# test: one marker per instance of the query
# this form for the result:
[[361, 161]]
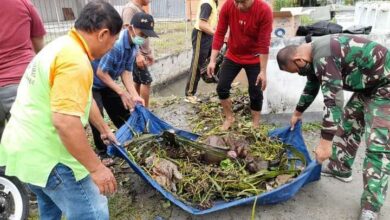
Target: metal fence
[[171, 16], [172, 26]]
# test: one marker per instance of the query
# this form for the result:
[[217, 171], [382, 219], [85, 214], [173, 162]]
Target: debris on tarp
[[243, 162]]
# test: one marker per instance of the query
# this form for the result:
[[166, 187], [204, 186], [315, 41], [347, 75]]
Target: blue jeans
[[64, 195]]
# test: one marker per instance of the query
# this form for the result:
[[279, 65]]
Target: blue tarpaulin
[[141, 117]]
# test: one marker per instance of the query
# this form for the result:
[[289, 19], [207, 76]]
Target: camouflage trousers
[[369, 115]]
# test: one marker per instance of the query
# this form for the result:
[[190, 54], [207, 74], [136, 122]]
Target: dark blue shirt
[[120, 58]]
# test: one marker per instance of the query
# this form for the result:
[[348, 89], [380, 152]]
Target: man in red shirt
[[21, 36], [250, 24]]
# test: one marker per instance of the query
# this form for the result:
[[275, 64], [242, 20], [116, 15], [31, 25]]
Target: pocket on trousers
[[54, 180], [380, 136]]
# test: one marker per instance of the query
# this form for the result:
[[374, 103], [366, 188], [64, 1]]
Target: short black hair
[[286, 55], [97, 15]]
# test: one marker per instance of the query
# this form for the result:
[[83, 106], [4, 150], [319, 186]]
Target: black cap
[[145, 22]]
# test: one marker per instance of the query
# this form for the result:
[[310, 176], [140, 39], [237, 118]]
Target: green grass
[[278, 4], [306, 20], [349, 2], [171, 43], [171, 26]]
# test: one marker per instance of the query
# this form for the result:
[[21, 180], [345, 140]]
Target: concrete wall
[[169, 68], [287, 22], [283, 88], [283, 91]]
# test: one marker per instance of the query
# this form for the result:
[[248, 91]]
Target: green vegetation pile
[[220, 165]]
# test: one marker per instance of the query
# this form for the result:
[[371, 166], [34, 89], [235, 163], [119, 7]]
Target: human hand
[[104, 179], [137, 99], [262, 78], [297, 116], [210, 69], [149, 60], [126, 100], [323, 151], [108, 137], [140, 61], [226, 39]]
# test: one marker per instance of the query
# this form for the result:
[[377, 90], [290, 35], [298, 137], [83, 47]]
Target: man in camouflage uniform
[[342, 62]]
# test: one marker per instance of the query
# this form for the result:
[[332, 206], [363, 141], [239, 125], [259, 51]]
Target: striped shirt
[[119, 59]]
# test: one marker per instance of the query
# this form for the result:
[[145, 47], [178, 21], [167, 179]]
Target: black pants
[[229, 71], [201, 45], [112, 103]]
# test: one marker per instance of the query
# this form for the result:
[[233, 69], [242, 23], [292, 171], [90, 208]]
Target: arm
[[125, 96], [332, 89], [70, 93], [221, 30], [218, 39], [205, 27], [37, 31], [205, 12], [147, 52], [264, 35], [309, 94], [97, 120], [102, 72], [106, 78], [38, 43], [127, 79], [264, 41], [73, 136], [263, 71]]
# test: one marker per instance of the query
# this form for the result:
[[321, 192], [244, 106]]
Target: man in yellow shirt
[[44, 143]]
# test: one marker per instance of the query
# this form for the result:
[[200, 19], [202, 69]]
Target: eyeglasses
[[240, 1]]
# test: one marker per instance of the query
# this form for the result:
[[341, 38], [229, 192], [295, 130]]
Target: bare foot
[[227, 123], [255, 125]]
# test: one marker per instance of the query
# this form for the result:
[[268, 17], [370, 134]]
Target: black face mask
[[305, 70]]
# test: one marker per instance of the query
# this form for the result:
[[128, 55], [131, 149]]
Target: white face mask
[[137, 40]]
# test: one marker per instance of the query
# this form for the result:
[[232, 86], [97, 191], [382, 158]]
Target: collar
[[80, 41]]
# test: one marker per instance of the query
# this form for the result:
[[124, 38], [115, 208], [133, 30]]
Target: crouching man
[[342, 62]]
